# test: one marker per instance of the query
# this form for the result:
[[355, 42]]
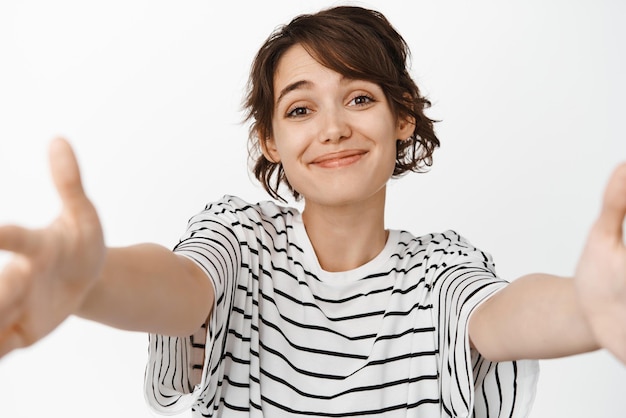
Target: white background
[[530, 98]]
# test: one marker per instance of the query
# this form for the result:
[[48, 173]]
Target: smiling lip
[[338, 159]]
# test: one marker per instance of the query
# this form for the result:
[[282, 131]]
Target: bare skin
[[543, 316], [60, 270], [336, 139], [601, 271], [66, 269], [537, 316], [38, 287]]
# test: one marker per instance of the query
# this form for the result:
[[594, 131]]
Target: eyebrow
[[305, 84], [291, 87]]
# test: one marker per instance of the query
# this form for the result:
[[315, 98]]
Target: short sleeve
[[461, 278], [211, 241]]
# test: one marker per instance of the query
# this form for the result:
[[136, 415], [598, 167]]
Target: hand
[[52, 269], [601, 271]]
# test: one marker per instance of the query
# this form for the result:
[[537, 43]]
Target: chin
[[344, 197]]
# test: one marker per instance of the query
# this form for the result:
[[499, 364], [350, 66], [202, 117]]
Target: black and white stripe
[[287, 338]]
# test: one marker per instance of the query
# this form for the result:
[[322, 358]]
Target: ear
[[405, 127], [269, 150]]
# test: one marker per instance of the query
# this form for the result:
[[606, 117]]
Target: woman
[[324, 312]]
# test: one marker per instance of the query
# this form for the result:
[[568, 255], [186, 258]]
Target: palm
[[601, 272], [52, 268]]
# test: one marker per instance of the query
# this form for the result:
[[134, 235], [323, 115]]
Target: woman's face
[[336, 137]]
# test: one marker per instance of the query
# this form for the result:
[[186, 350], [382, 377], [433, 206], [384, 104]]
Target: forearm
[[536, 316], [149, 288]]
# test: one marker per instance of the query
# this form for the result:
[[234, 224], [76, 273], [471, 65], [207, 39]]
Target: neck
[[345, 237]]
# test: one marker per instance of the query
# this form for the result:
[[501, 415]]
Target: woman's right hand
[[51, 270]]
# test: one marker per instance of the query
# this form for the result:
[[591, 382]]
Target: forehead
[[297, 69], [297, 64]]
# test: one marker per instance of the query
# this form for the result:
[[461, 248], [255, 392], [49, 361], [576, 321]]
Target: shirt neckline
[[347, 276]]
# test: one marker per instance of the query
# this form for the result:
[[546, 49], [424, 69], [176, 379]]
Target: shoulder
[[237, 210], [242, 217], [445, 242], [232, 222], [442, 249]]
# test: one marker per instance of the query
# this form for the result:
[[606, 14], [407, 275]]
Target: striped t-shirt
[[288, 339]]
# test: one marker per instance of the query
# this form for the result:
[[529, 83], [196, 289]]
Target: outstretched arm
[[544, 316], [66, 269], [146, 287]]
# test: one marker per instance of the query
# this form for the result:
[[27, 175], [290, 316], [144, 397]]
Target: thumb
[[65, 172], [613, 210]]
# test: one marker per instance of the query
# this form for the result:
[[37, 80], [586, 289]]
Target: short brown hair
[[357, 43]]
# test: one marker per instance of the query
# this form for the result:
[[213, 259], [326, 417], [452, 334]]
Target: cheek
[[284, 149], [290, 143], [391, 161], [390, 152]]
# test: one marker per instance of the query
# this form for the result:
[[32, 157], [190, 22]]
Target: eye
[[298, 111], [361, 100]]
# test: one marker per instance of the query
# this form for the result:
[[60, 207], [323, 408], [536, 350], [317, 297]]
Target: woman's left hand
[[601, 272]]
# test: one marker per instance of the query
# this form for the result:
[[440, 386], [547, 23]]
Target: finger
[[18, 239], [65, 172], [13, 285], [614, 203], [10, 340]]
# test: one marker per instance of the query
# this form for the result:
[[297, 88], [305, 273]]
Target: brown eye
[[298, 111], [361, 100]]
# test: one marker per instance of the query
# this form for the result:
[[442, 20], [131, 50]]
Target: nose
[[335, 126]]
